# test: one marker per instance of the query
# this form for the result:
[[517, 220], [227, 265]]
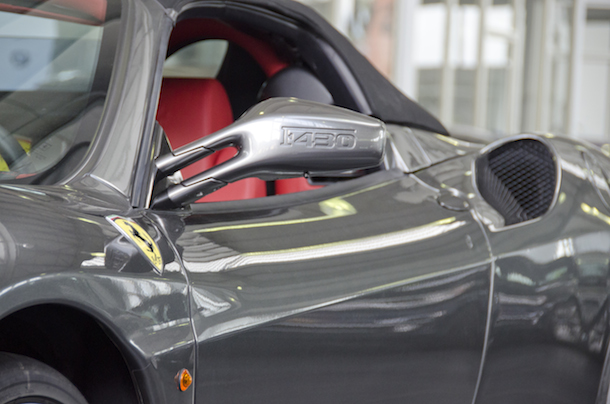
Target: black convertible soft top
[[385, 100]]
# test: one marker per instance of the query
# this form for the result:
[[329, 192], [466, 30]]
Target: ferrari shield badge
[[139, 238]]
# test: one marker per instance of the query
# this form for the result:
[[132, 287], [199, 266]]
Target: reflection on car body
[[303, 252]]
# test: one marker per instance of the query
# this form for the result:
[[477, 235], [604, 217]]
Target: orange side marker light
[[183, 380]]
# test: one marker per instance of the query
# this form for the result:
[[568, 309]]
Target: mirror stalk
[[277, 138]]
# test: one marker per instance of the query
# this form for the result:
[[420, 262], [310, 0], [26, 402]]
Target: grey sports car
[[222, 201]]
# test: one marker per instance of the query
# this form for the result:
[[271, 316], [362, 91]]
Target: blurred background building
[[491, 67]]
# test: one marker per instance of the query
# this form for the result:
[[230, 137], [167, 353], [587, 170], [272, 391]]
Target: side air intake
[[518, 179]]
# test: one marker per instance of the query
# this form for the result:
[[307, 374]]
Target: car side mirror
[[277, 138]]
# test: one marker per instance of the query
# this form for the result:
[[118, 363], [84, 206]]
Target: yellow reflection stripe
[[593, 211], [327, 250], [416, 233], [333, 208]]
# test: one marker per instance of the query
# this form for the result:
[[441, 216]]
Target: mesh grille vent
[[518, 179]]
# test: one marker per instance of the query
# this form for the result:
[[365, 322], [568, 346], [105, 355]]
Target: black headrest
[[295, 82]]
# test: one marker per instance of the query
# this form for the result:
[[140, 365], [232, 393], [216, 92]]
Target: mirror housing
[[277, 138]]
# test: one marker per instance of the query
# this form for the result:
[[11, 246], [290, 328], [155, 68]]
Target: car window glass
[[199, 60], [41, 53], [50, 94]]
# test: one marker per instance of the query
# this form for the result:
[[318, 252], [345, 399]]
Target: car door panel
[[394, 346], [368, 282]]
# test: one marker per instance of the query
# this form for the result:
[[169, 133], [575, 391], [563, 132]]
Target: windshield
[[55, 59]]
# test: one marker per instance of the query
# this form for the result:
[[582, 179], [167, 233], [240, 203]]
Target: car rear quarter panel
[[549, 319], [550, 324]]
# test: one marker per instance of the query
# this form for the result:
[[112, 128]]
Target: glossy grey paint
[[124, 141], [319, 314], [295, 284], [551, 316], [59, 257], [283, 289], [62, 255], [549, 331]]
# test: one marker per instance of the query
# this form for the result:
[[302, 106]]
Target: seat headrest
[[295, 82]]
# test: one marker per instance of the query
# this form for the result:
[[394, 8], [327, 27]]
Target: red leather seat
[[192, 108], [187, 32], [292, 185]]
